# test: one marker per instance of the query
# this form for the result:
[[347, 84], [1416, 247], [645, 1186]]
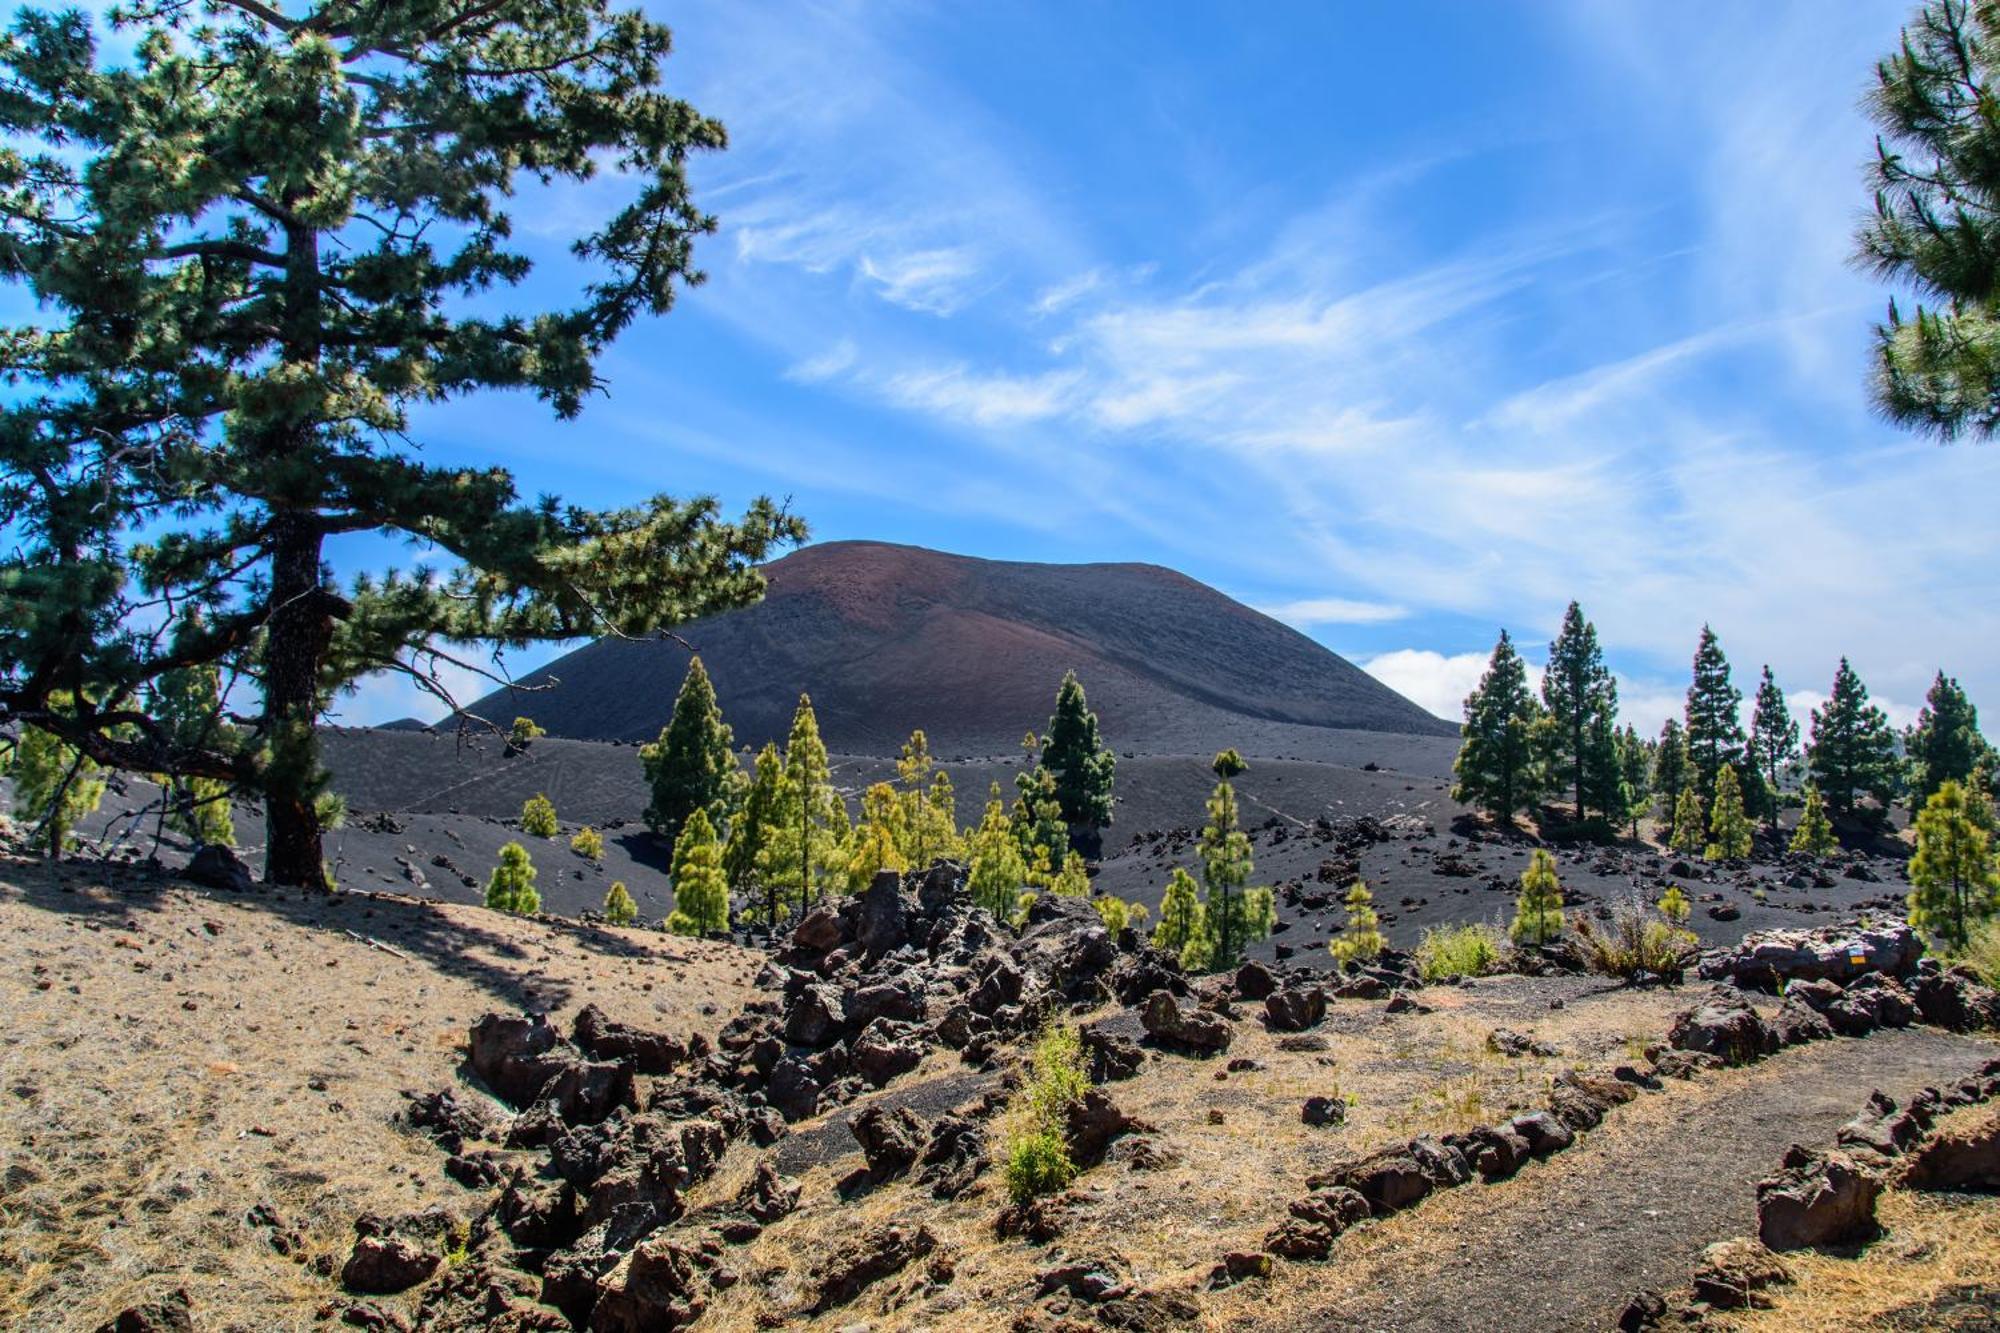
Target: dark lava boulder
[[1817, 1199], [1725, 1026], [1194, 1030], [515, 1055]]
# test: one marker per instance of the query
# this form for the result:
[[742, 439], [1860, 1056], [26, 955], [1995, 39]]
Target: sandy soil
[[173, 1058]]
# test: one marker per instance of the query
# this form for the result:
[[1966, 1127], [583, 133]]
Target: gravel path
[[1565, 1244]]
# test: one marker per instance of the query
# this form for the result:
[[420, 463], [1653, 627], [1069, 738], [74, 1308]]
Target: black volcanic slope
[[890, 638]]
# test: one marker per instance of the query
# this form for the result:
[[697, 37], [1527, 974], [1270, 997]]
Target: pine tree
[[619, 909], [588, 843], [1038, 821], [1936, 197], [1953, 883], [1605, 789], [1578, 694], [1714, 717], [1728, 825], [1852, 752], [1073, 880], [1774, 743], [1635, 759], [1538, 913], [186, 704], [1361, 941], [701, 890], [1814, 835], [997, 872], [55, 785], [256, 236], [1225, 869], [538, 817], [929, 828], [812, 828], [877, 841], [512, 885], [1184, 929], [1228, 764], [1496, 768], [744, 858], [1690, 824], [1081, 766], [1944, 745], [691, 766], [1670, 769]]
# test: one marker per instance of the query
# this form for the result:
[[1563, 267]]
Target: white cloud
[[932, 281], [1066, 293], [984, 400], [826, 365], [1433, 681], [1309, 611]]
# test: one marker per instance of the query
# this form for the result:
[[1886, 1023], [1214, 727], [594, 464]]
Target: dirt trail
[[1565, 1244]]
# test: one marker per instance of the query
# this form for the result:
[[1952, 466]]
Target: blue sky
[[1401, 322]]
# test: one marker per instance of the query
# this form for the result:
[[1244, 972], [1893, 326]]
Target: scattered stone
[[1505, 1041], [1733, 1274], [1296, 1009], [1402, 1002], [1307, 1044], [1543, 1132], [382, 1265], [1239, 1266], [1882, 1129], [1094, 1123], [1254, 981], [515, 1055], [171, 1313], [217, 867], [650, 1052], [1647, 1309], [656, 1286], [859, 1263], [1091, 1278], [891, 1140], [1109, 1056], [1389, 1179], [1192, 1030], [1324, 1111]]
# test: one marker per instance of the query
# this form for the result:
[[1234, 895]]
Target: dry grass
[[174, 1058], [1934, 1244]]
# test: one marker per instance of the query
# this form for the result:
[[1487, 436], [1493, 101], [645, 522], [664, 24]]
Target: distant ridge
[[888, 638]]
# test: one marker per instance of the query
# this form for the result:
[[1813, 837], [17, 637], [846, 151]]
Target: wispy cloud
[[1307, 612]]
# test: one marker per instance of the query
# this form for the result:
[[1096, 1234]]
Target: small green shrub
[[588, 843], [1117, 914], [1450, 952], [523, 734], [619, 909], [1038, 1163], [1038, 1156], [538, 817], [1674, 905]]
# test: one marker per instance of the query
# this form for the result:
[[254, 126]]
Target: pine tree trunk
[[301, 627]]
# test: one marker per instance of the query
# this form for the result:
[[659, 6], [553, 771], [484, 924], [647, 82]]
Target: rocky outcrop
[[1817, 1199], [1725, 1026], [1966, 1158], [1841, 953], [862, 1261]]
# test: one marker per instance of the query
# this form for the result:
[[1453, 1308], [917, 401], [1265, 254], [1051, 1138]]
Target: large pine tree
[[1580, 698], [1496, 768], [1853, 753], [1225, 869], [1936, 223], [1773, 744], [811, 825], [691, 766], [1944, 745], [1670, 769], [1081, 765], [1953, 883], [257, 234], [1714, 717]]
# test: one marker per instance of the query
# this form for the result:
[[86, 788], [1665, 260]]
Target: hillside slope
[[891, 638]]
